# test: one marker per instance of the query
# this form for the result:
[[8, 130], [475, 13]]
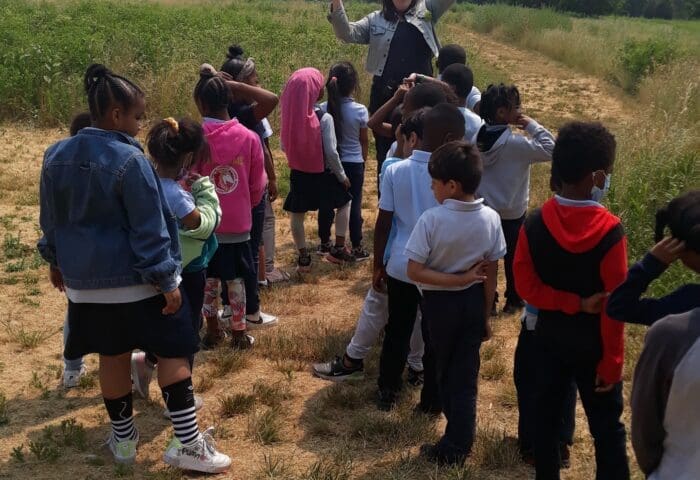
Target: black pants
[[356, 174], [525, 376], [193, 287], [380, 93], [455, 322], [557, 366], [404, 300], [511, 230]]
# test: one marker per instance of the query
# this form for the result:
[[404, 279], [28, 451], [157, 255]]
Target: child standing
[[236, 169], [405, 196], [505, 185], [350, 119], [317, 179], [452, 255], [113, 242], [570, 251], [453, 54], [172, 146]]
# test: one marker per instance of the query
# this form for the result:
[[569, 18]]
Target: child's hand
[[601, 386], [56, 279], [594, 303], [668, 250], [173, 301], [401, 91], [272, 191], [523, 121], [475, 274], [346, 183], [379, 279], [191, 178]]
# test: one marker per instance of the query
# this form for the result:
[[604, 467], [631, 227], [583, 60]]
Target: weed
[[507, 395], [274, 468], [94, 460], [637, 59], [346, 397], [265, 426], [494, 369], [73, 434], [9, 281], [13, 267], [236, 404], [122, 470], [489, 350], [316, 341], [4, 417], [24, 299], [169, 473], [37, 382], [204, 383], [271, 395], [88, 381], [45, 449], [18, 454], [494, 450], [26, 339], [329, 470], [227, 360], [13, 248]]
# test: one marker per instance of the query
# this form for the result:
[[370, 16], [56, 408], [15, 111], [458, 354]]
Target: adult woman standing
[[402, 40]]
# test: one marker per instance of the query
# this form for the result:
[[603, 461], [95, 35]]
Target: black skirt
[[310, 191], [117, 328]]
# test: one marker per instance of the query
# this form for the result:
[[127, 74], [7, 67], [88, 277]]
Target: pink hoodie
[[237, 171], [301, 129]]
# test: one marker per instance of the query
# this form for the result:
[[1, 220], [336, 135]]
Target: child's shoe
[[433, 454], [71, 378], [260, 320], [340, 255], [276, 276], [414, 377], [198, 404], [242, 342], [513, 307], [324, 248], [360, 254], [200, 456], [141, 373], [304, 262], [124, 451], [386, 400], [336, 371]]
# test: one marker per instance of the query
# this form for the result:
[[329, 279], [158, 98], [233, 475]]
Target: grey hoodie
[[507, 156]]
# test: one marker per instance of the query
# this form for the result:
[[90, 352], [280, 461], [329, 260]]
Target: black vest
[[577, 273], [408, 53]]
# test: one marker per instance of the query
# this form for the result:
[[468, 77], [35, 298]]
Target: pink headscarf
[[301, 129]]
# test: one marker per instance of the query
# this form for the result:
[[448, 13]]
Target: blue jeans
[[77, 363], [455, 327]]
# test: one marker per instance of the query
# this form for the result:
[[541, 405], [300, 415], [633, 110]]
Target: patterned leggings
[[236, 298]]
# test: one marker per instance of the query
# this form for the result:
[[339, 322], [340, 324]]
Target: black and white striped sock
[[179, 398], [121, 415]]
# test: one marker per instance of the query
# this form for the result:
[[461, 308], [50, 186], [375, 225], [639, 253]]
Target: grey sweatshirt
[[666, 399], [505, 183], [331, 159]]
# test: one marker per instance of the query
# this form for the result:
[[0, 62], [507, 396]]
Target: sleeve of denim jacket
[[47, 242], [148, 233], [438, 7], [349, 32]]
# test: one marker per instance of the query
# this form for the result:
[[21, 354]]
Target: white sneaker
[[198, 404], [201, 456], [260, 320], [125, 451], [141, 373], [71, 378]]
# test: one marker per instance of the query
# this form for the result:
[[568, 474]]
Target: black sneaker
[[304, 262], [324, 248], [513, 307], [336, 371], [360, 254], [414, 377], [433, 454], [340, 255], [564, 455], [386, 400]]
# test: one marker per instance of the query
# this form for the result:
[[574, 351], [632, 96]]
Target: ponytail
[[334, 106], [170, 141], [342, 82]]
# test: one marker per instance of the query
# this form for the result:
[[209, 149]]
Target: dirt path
[[315, 421]]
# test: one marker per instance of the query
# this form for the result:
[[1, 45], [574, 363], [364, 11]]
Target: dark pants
[[511, 230], [193, 288], [356, 174], [430, 393], [380, 93], [404, 300], [455, 322], [557, 366], [240, 263], [250, 278], [525, 376]]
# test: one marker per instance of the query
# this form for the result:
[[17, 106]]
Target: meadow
[[640, 77]]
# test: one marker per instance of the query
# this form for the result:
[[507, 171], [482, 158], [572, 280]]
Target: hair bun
[[234, 51], [207, 71], [94, 73]]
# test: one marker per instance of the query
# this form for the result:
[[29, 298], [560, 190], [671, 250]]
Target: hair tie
[[206, 70], [174, 126], [246, 70], [334, 79]]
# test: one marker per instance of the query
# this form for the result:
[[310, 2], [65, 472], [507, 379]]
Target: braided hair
[[682, 217], [495, 97], [211, 92], [104, 88]]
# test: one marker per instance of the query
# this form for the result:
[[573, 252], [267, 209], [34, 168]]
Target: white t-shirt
[[472, 124], [392, 149], [473, 98], [455, 236], [267, 132], [355, 117], [406, 192]]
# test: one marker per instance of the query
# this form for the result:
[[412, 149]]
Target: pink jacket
[[237, 171]]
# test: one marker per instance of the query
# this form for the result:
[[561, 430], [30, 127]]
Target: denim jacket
[[376, 31], [104, 218]]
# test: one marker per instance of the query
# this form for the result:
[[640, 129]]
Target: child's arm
[[625, 303], [47, 242], [438, 7], [258, 178], [264, 101], [490, 286], [364, 142], [346, 31], [270, 171], [539, 148], [420, 273], [376, 121], [208, 209], [330, 150], [381, 236]]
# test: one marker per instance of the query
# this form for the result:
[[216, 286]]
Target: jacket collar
[[120, 136]]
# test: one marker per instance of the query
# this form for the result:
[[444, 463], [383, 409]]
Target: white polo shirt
[[455, 236], [406, 192], [472, 124]]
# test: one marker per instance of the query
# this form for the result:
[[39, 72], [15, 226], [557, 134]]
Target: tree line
[[683, 9]]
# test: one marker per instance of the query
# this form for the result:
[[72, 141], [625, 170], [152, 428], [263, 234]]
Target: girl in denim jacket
[[112, 244], [402, 40]]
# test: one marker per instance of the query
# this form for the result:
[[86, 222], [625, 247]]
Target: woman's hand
[[56, 279], [668, 250]]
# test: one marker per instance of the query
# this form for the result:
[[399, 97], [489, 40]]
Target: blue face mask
[[597, 193]]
